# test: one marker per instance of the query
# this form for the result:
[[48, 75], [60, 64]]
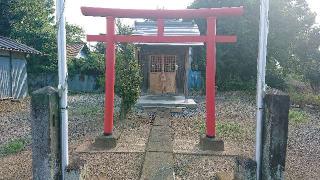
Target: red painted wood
[[164, 39], [225, 39], [210, 78], [211, 39], [160, 23], [162, 13], [109, 77]]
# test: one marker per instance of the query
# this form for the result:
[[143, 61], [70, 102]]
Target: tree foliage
[[74, 34], [32, 23], [92, 64], [290, 22]]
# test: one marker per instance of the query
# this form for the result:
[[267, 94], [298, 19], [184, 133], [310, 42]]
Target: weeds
[[13, 147], [225, 129], [229, 129], [87, 111], [298, 117], [303, 99]]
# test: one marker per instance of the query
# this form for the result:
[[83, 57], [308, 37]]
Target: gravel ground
[[14, 120], [86, 119], [232, 109], [303, 153], [16, 166], [113, 165], [201, 167]]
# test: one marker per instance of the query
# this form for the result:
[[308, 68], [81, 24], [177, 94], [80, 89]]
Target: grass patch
[[87, 110], [13, 147], [73, 93], [298, 117], [229, 129], [225, 129]]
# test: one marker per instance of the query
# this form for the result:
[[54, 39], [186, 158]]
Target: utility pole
[[63, 85], [261, 85]]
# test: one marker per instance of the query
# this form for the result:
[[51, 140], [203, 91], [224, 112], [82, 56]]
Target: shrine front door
[[162, 74]]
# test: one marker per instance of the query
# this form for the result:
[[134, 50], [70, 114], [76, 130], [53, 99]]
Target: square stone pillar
[[45, 125], [275, 135]]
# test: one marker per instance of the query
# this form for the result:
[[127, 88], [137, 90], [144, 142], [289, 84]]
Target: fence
[[76, 83]]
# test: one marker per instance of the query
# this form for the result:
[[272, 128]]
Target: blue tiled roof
[[171, 28]]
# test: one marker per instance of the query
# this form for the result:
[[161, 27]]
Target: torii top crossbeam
[[211, 38], [162, 13]]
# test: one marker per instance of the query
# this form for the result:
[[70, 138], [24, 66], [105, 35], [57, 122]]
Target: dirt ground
[[236, 126]]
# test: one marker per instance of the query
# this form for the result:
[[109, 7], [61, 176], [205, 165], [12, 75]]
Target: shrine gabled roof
[[171, 28], [74, 49]]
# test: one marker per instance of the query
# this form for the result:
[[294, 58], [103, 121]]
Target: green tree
[[308, 54], [4, 17], [32, 23], [236, 64], [100, 47], [74, 34]]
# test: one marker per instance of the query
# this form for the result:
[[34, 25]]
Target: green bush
[[93, 64], [303, 99], [128, 77], [127, 72], [274, 76], [312, 75]]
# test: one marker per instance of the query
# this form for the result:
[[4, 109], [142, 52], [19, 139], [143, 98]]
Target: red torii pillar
[[211, 78], [109, 77], [211, 38]]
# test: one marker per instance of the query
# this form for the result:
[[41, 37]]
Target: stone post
[[45, 124], [275, 135], [76, 170], [245, 169]]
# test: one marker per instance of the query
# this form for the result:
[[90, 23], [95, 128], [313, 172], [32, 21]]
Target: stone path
[[158, 163]]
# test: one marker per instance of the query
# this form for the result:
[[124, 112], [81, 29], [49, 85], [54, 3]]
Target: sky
[[95, 25]]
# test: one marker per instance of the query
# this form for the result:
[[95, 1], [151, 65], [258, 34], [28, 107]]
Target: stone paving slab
[[160, 146], [161, 122], [159, 132], [158, 166], [159, 163], [160, 139]]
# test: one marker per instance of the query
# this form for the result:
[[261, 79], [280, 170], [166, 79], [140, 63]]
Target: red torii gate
[[211, 38]]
